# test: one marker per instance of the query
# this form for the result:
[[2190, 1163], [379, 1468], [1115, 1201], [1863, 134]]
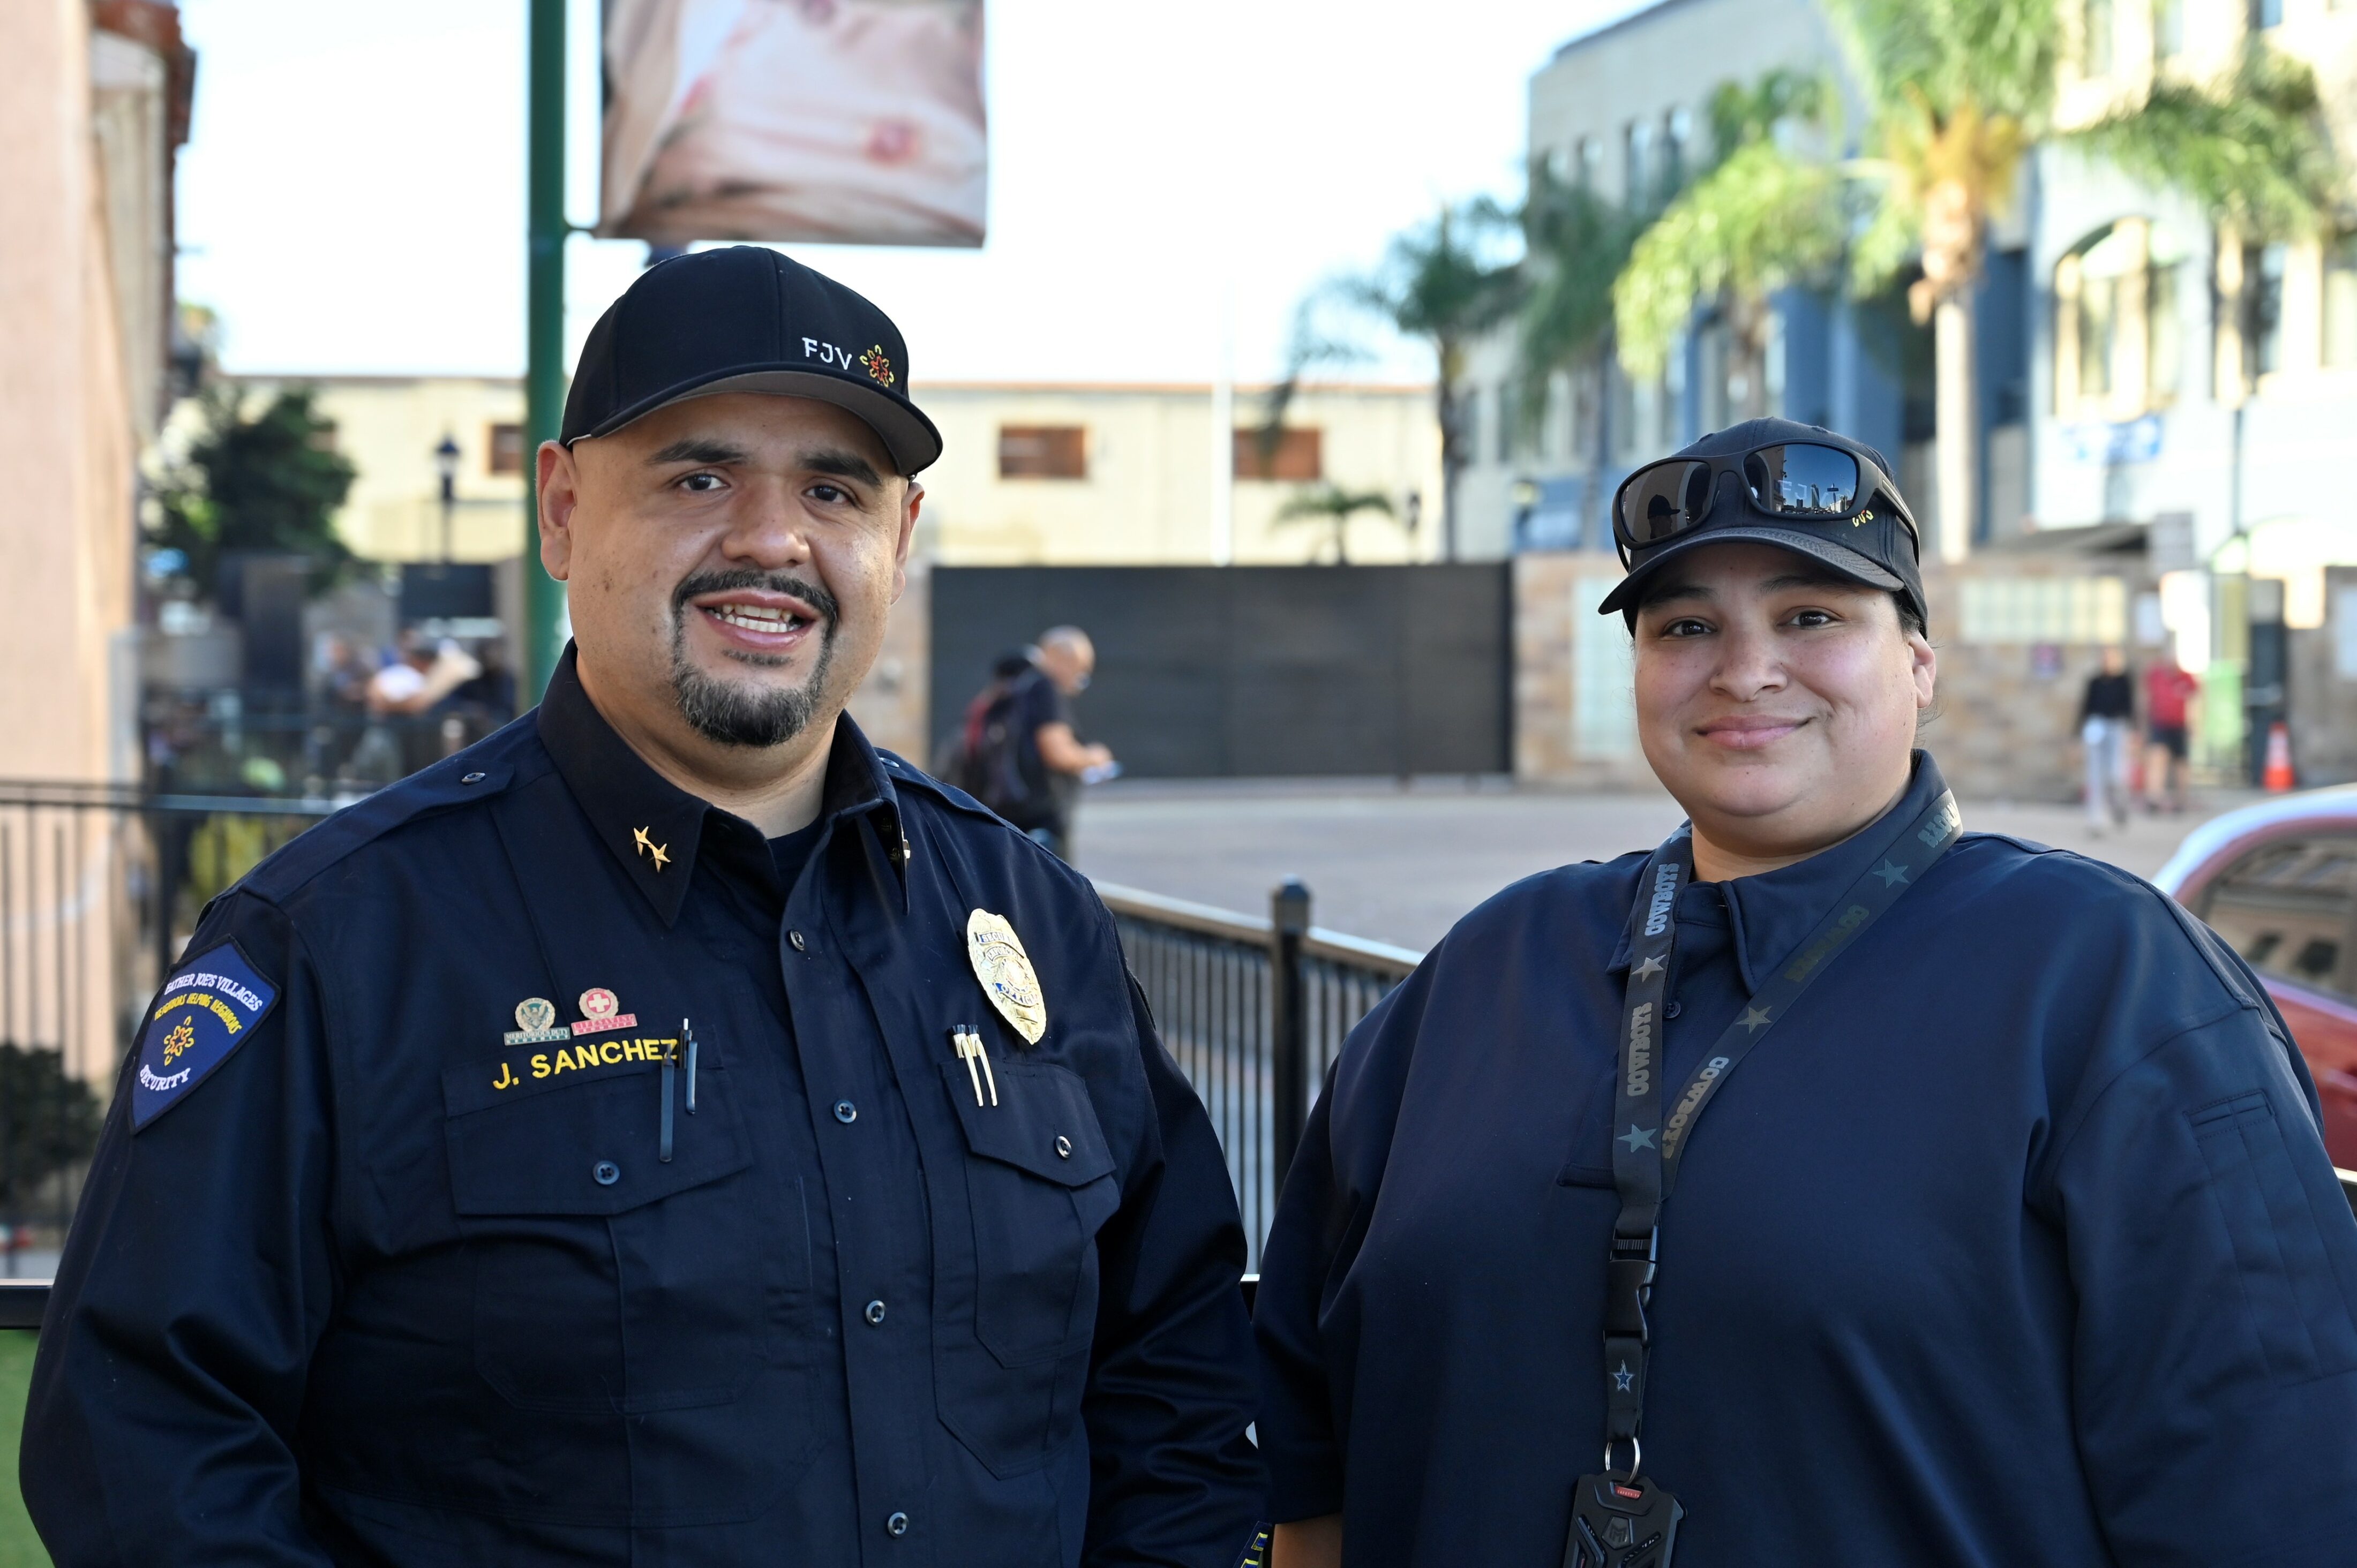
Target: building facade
[[1030, 474], [2202, 382], [93, 103]]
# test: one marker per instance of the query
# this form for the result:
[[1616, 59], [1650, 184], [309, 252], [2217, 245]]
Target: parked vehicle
[[2278, 881]]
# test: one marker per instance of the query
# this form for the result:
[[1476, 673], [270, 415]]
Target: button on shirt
[[2014, 1244], [387, 1285]]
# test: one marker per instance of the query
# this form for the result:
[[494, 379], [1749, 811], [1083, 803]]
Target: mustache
[[802, 588]]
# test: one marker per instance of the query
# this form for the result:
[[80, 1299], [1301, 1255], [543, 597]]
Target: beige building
[[1145, 475], [390, 427], [1030, 475], [93, 101]]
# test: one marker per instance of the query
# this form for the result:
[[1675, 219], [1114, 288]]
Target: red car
[[2278, 881]]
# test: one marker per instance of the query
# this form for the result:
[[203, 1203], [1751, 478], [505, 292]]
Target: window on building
[[1637, 157], [1591, 161], [1043, 452], [2263, 291], [323, 437], [2098, 311], [2098, 28], [1509, 422], [503, 449], [1627, 439], [2265, 14], [2341, 301], [2164, 329], [2286, 907], [2167, 30], [1298, 454], [1677, 149], [2119, 324]]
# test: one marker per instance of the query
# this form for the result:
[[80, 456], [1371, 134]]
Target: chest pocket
[[608, 1279], [1041, 1183]]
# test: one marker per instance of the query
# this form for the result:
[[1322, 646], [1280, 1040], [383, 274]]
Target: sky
[[1167, 181]]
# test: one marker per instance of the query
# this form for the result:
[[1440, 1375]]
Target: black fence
[[1254, 1010], [1254, 671], [99, 888]]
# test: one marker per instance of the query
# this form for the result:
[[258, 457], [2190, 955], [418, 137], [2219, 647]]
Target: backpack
[[988, 763]]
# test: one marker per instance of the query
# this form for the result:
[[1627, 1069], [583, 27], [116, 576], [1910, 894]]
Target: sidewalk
[[1403, 866]]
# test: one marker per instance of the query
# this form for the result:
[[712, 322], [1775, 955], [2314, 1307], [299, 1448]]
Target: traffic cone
[[2277, 779]]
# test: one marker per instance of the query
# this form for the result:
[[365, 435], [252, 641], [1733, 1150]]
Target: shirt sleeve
[[1175, 1479], [196, 1279], [1308, 1361], [2215, 1262]]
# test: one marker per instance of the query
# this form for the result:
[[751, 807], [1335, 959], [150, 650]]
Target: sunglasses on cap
[[1793, 481]]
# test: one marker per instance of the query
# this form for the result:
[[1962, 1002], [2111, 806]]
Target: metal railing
[[99, 888], [1254, 1009]]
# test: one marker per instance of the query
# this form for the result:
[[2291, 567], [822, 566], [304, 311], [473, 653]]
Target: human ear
[[912, 503], [558, 493], [1923, 668]]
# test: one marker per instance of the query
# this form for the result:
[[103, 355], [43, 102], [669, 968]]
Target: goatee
[[748, 714]]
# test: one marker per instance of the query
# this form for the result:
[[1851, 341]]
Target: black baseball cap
[[746, 319], [1874, 541]]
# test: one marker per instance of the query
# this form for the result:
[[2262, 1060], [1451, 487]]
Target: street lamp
[[445, 463]]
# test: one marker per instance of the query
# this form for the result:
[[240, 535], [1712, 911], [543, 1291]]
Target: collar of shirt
[[658, 831], [1771, 913]]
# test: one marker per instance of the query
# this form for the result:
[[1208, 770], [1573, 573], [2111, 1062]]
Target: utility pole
[[544, 597]]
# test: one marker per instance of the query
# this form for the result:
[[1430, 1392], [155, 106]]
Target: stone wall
[[1574, 723], [2014, 662]]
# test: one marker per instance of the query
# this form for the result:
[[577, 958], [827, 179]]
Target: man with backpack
[[1017, 752]]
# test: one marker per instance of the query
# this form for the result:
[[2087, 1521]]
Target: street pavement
[[1402, 866]]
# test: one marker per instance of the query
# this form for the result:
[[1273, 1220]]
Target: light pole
[[445, 463]]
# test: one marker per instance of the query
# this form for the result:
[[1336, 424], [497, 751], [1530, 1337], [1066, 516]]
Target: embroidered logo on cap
[[878, 367], [205, 1011]]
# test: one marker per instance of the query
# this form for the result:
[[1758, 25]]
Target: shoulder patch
[[204, 1012]]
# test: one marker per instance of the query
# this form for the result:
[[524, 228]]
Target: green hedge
[[19, 1547]]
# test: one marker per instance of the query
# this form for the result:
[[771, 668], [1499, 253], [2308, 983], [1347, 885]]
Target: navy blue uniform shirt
[[381, 1286], [2014, 1246]]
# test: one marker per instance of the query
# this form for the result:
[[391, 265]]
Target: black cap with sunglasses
[[1775, 482]]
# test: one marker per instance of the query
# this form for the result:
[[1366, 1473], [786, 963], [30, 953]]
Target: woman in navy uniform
[[672, 1132], [1824, 1187]]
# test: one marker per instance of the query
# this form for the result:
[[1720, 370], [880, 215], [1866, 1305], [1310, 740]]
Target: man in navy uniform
[[672, 1131]]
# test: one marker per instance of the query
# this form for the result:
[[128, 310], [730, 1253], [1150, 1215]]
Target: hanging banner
[[839, 121]]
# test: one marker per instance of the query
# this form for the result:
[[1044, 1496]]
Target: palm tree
[[1335, 505], [1439, 284], [1762, 218], [1959, 92], [2251, 149], [1574, 243]]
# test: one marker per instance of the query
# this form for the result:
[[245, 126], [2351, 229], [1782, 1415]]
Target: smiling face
[[1776, 702], [731, 561]]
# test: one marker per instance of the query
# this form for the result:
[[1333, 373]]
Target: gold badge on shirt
[[1006, 972]]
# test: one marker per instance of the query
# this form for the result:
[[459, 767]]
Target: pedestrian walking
[[2169, 691], [1829, 1185], [1018, 752], [671, 1130], [2106, 726]]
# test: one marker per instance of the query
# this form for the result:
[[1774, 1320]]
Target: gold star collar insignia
[[648, 846]]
